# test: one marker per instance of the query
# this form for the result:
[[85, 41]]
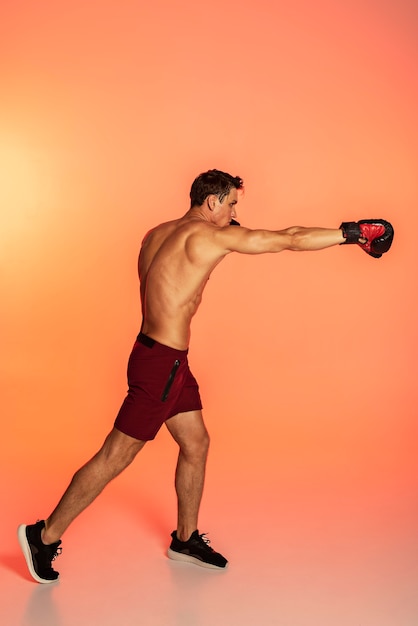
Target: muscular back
[[175, 262]]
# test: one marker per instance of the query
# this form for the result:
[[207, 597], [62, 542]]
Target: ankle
[[47, 537], [184, 535]]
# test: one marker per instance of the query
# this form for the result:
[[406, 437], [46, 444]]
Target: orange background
[[306, 362]]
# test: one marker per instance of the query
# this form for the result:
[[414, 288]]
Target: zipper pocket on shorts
[[170, 380]]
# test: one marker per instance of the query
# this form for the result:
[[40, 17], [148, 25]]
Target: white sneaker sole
[[23, 541], [187, 558]]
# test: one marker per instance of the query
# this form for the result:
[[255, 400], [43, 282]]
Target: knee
[[196, 447], [205, 442], [119, 451]]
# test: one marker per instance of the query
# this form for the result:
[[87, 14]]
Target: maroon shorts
[[160, 386]]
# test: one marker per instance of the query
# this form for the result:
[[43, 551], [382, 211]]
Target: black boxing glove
[[378, 234], [234, 223]]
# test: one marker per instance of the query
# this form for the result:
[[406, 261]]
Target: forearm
[[305, 239]]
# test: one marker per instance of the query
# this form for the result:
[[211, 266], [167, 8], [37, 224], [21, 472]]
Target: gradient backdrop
[[306, 362]]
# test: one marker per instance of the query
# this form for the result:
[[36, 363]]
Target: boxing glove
[[378, 234]]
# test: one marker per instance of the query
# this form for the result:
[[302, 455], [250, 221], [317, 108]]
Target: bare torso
[[175, 262], [177, 258]]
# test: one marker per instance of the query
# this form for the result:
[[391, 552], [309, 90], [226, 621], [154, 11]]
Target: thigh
[[188, 427]]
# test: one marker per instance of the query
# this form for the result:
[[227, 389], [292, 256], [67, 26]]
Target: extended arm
[[373, 236], [296, 238]]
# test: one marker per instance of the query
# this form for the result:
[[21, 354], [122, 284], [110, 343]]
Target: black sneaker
[[196, 550], [38, 555]]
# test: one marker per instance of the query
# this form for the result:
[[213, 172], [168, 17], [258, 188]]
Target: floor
[[299, 555]]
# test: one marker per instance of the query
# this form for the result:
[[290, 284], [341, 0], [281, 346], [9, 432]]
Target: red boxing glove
[[378, 234]]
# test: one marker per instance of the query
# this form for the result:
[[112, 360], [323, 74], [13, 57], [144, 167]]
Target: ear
[[211, 200]]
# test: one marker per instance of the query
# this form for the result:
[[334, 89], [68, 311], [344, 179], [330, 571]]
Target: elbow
[[297, 238]]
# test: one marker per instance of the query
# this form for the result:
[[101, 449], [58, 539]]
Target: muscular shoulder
[[216, 241], [205, 242]]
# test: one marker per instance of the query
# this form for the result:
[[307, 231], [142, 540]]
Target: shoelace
[[55, 551], [56, 554], [204, 539]]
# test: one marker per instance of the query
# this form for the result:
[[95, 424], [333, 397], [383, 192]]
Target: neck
[[198, 212]]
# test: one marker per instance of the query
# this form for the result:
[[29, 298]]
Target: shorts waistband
[[146, 341], [149, 342]]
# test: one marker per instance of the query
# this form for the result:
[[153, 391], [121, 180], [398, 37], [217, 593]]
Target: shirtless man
[[175, 262]]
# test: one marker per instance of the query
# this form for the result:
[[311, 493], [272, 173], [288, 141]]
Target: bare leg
[[117, 452], [189, 431]]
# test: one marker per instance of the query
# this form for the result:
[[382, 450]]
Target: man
[[175, 262]]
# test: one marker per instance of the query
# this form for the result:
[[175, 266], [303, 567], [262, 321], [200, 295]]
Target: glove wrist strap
[[351, 232]]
